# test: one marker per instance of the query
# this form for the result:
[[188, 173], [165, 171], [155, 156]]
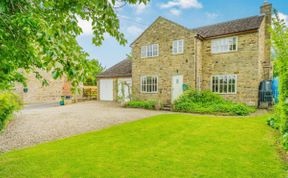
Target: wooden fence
[[90, 92]]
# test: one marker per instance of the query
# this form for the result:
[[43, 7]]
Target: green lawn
[[161, 146]]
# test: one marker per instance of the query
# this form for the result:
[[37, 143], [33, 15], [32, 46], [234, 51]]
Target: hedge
[[141, 104], [9, 103]]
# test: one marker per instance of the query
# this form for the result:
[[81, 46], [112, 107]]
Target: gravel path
[[41, 123]]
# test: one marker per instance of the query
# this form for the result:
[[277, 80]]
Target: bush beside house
[[9, 103], [208, 102]]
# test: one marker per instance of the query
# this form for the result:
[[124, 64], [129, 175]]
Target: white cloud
[[86, 26], [284, 17], [140, 8], [175, 12], [134, 30], [124, 17], [211, 15], [183, 4]]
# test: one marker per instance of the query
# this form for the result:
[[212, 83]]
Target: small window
[[150, 51], [224, 84], [149, 84], [224, 45], [177, 46]]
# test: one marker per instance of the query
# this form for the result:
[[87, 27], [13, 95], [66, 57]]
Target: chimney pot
[[266, 8]]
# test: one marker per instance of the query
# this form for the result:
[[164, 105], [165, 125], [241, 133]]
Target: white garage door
[[106, 89]]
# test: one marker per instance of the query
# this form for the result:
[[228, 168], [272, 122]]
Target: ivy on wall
[[279, 34]]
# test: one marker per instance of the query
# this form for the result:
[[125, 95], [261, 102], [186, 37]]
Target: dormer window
[[177, 46], [150, 51], [224, 45]]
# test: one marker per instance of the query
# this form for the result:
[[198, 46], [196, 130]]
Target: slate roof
[[229, 27], [122, 69]]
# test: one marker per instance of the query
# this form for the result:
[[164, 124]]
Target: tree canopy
[[41, 35], [95, 69]]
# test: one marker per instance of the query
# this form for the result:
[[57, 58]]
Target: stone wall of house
[[199, 65], [261, 49], [163, 32], [243, 62], [41, 94]]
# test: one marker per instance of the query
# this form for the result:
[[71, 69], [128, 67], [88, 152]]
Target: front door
[[177, 86]]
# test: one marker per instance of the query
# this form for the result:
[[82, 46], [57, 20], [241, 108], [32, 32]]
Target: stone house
[[36, 93], [229, 58]]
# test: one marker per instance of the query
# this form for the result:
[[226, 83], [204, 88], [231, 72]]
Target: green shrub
[[141, 104], [274, 121], [9, 103], [208, 102]]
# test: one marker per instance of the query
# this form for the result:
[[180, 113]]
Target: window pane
[[225, 85], [156, 84], [215, 84], [149, 53], [181, 46], [229, 84], [155, 50], [152, 84], [233, 89], [143, 84], [221, 85], [175, 47], [233, 85]]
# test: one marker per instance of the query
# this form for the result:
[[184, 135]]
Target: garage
[[106, 89], [116, 82]]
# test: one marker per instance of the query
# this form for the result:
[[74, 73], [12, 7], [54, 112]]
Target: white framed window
[[224, 84], [150, 51], [177, 46], [149, 84], [224, 45]]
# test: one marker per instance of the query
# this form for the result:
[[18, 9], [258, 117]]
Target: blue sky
[[134, 19]]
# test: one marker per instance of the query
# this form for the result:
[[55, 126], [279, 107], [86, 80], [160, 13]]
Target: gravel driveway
[[41, 123]]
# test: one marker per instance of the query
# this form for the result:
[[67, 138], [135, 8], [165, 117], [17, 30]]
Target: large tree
[[41, 35]]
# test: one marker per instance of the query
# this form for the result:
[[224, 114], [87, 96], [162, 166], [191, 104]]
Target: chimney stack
[[266, 11]]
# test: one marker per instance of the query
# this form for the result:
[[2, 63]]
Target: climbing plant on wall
[[279, 34]]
